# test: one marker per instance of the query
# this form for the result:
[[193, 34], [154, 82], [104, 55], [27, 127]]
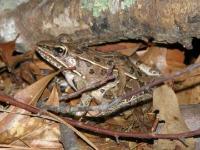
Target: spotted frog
[[83, 67]]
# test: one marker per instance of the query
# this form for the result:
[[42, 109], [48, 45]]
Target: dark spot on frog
[[78, 51], [137, 63], [108, 95], [88, 64], [131, 70], [91, 71], [103, 72], [175, 118], [138, 73], [102, 90], [110, 62], [97, 59]]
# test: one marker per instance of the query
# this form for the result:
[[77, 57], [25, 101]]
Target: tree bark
[[100, 21]]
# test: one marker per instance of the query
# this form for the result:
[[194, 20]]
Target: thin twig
[[67, 109], [102, 131], [13, 147], [88, 88], [154, 83], [139, 135]]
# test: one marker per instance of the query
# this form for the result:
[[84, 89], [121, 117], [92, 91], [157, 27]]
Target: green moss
[[97, 6], [127, 3]]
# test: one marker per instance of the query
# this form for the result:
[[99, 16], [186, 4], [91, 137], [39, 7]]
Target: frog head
[[60, 56], [56, 53]]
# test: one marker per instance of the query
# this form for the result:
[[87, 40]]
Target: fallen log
[[95, 22]]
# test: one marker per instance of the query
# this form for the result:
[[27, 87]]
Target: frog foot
[[85, 101]]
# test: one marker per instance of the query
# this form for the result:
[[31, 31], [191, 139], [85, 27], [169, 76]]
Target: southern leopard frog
[[91, 66]]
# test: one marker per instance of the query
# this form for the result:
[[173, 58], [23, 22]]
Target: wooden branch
[[116, 134], [89, 88]]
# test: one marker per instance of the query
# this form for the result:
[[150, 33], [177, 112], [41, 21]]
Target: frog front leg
[[77, 83], [90, 90], [85, 100], [69, 76]]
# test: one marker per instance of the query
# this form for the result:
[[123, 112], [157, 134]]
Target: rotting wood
[[94, 21]]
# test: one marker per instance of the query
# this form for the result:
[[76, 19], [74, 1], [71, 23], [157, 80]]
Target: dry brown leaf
[[156, 57], [8, 87], [165, 100], [26, 74], [104, 144], [130, 48], [7, 49], [166, 60], [175, 55], [2, 64], [34, 69], [45, 94], [53, 98], [42, 65], [20, 58], [190, 95], [124, 48], [32, 93], [189, 88], [175, 60], [12, 125], [47, 135], [139, 146]]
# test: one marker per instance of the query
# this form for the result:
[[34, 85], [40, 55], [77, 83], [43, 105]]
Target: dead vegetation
[[28, 82]]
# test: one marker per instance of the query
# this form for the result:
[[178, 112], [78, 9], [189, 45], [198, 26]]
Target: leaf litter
[[36, 132]]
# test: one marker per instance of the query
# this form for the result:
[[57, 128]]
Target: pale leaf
[[165, 100], [53, 98]]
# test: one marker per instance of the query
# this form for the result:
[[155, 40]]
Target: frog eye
[[59, 49]]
